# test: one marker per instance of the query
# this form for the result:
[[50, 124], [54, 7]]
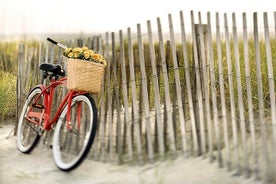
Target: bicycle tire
[[70, 147], [28, 134]]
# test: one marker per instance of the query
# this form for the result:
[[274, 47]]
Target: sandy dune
[[38, 167]]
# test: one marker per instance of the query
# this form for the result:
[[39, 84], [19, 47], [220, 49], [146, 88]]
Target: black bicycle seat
[[55, 69]]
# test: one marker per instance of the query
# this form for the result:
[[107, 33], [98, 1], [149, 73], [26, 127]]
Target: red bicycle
[[74, 122]]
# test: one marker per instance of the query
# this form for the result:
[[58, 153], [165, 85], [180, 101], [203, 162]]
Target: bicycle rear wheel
[[71, 145], [28, 133]]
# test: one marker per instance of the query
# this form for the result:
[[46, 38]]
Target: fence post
[[198, 103], [250, 99], [105, 103], [20, 81], [135, 110], [263, 127], [168, 114], [189, 86], [240, 98], [271, 79], [156, 93], [178, 90], [145, 93], [214, 92], [222, 94], [201, 83], [125, 97]]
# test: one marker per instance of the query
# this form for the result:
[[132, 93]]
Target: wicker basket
[[84, 75]]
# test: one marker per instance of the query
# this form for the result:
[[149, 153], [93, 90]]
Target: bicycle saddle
[[55, 69]]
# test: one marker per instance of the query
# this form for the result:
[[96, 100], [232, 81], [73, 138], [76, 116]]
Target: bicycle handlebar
[[52, 41], [56, 43]]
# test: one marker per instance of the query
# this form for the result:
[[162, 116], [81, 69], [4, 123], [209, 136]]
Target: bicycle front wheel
[[72, 140], [28, 133]]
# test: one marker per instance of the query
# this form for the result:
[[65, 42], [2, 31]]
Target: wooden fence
[[209, 92]]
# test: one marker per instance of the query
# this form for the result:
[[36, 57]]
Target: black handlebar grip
[[52, 41]]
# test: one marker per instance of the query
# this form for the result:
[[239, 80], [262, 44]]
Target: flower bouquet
[[85, 69]]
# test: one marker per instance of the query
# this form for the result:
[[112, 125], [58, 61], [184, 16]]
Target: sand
[[39, 167]]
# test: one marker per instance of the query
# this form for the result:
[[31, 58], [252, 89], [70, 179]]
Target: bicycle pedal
[[39, 106]]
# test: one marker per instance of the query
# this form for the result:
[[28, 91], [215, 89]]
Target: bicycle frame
[[48, 93]]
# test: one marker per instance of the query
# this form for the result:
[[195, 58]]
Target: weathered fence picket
[[167, 105], [156, 94], [249, 99], [271, 79], [222, 95], [260, 97], [188, 84], [145, 94], [203, 60], [202, 93], [20, 80], [214, 94], [232, 98], [178, 89], [199, 103], [240, 97], [136, 126], [104, 102], [125, 96]]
